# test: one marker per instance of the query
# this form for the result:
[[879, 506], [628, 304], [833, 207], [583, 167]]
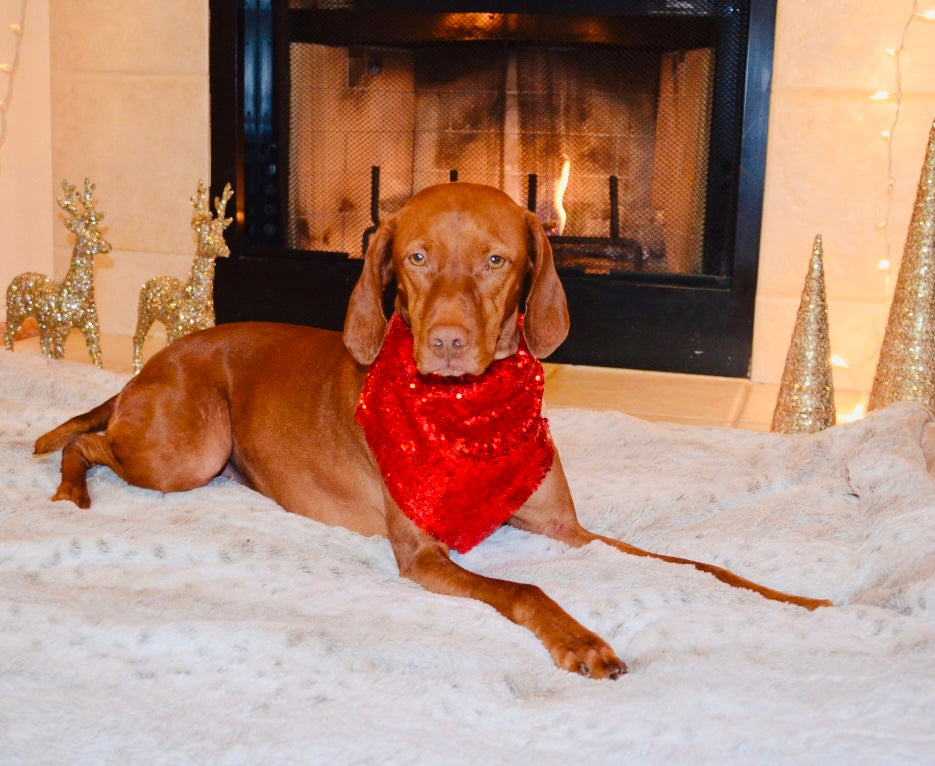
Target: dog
[[318, 422]]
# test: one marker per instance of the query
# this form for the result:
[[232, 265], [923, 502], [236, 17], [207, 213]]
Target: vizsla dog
[[319, 423]]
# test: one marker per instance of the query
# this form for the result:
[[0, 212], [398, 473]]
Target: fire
[[560, 187]]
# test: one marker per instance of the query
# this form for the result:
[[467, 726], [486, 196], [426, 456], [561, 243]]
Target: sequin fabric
[[459, 455]]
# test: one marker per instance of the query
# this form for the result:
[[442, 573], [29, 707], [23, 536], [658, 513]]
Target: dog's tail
[[93, 420]]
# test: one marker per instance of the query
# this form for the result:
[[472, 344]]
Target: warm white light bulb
[[849, 417], [880, 95]]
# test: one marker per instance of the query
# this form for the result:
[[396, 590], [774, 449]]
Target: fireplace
[[635, 130]]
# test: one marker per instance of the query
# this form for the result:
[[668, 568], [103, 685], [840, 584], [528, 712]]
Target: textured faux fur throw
[[214, 627]]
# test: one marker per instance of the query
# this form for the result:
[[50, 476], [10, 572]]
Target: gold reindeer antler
[[93, 216], [220, 204], [202, 212], [69, 204], [83, 223]]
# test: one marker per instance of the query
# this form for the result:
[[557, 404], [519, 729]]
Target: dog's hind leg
[[81, 448], [78, 456]]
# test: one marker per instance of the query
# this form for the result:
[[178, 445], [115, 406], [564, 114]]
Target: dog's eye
[[417, 259], [496, 262]]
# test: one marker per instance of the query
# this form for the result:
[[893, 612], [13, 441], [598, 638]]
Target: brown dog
[[278, 402]]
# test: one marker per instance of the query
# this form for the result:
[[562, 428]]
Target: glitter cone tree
[[906, 369], [806, 395]]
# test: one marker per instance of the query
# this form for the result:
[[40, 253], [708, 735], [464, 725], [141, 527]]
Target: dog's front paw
[[589, 656]]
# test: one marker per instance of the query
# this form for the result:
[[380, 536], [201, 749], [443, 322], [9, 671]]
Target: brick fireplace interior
[[634, 129], [623, 135]]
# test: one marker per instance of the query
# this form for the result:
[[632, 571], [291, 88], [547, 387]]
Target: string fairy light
[[9, 69], [887, 135], [885, 263]]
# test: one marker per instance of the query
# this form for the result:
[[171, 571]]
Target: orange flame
[[560, 187]]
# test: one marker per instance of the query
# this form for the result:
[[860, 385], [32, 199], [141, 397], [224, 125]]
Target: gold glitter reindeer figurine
[[60, 306], [185, 308]]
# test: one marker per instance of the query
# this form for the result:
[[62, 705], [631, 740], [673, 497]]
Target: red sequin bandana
[[459, 455]]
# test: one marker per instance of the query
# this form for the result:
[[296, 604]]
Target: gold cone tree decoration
[[906, 369], [806, 395]]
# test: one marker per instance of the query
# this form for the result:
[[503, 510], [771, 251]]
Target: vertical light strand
[[9, 69], [886, 264]]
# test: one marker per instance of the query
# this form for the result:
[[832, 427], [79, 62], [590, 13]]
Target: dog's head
[[459, 254]]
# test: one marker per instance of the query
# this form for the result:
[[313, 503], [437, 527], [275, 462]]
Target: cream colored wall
[[828, 168], [129, 93], [26, 206], [129, 109]]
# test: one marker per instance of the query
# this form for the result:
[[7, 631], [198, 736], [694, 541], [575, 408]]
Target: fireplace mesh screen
[[628, 128]]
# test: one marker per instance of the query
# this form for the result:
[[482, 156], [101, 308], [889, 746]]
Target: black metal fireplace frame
[[700, 324]]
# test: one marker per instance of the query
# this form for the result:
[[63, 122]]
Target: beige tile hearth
[[674, 398], [655, 396], [693, 399]]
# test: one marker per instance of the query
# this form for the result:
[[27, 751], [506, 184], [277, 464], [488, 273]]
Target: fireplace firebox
[[634, 129]]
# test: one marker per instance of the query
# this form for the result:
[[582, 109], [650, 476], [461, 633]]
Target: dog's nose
[[448, 341]]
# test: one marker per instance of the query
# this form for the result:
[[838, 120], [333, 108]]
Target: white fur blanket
[[213, 627]]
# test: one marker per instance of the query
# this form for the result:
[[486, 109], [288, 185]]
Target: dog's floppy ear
[[365, 324], [545, 324]]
